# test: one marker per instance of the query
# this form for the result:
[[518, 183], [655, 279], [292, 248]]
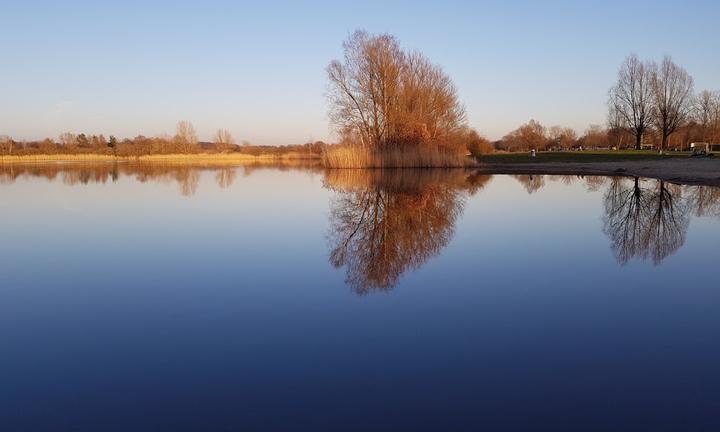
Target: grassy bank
[[579, 156], [421, 157]]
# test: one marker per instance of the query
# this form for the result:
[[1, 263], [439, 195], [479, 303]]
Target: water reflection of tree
[[704, 200], [384, 223], [531, 183], [645, 219], [225, 177]]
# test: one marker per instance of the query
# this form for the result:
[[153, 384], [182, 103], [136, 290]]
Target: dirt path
[[676, 170]]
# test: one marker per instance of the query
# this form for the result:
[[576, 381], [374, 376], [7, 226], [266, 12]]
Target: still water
[[136, 297]]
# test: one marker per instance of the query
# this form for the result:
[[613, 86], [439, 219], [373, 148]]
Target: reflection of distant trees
[[596, 183], [187, 176], [384, 223], [225, 177], [645, 219], [534, 182], [531, 183], [704, 200]]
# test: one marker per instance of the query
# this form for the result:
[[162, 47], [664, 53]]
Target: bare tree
[[716, 119], [707, 113], [68, 140], [379, 95], [562, 137], [595, 136], [6, 145], [672, 90], [224, 140], [630, 99], [531, 135], [185, 137], [47, 146], [98, 143]]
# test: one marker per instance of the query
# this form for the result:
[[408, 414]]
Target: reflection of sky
[[130, 300]]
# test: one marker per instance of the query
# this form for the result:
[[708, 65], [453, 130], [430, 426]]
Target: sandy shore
[[676, 170]]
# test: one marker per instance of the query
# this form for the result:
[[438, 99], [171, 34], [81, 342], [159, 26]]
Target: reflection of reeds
[[355, 156], [185, 173], [397, 180]]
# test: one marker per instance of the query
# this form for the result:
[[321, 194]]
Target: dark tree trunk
[[638, 141]]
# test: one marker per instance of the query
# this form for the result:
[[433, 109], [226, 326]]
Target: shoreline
[[684, 170], [703, 172]]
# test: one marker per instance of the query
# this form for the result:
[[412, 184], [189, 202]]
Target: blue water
[[254, 298]]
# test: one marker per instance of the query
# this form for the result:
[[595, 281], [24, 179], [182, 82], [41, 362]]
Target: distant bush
[[478, 145]]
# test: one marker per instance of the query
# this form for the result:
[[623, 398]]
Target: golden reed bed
[[419, 157]]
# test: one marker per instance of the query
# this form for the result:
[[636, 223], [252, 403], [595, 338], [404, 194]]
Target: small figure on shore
[[532, 153]]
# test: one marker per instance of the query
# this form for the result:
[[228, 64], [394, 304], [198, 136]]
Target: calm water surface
[[251, 298]]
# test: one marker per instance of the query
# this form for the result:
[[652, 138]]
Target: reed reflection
[[185, 175], [386, 222]]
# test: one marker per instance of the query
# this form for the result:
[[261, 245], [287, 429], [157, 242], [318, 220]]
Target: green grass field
[[580, 156]]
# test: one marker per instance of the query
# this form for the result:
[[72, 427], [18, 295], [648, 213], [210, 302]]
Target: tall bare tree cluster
[[531, 135], [185, 137], [648, 96], [381, 95], [707, 115], [631, 99], [6, 144], [224, 140], [672, 90]]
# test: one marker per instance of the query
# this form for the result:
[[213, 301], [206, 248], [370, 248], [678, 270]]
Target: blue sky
[[258, 68]]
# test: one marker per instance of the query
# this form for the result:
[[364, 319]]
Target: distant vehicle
[[700, 149]]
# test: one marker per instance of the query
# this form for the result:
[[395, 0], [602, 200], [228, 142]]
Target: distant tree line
[[185, 141], [534, 135]]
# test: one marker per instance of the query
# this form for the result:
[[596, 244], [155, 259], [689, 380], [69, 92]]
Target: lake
[[174, 297]]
